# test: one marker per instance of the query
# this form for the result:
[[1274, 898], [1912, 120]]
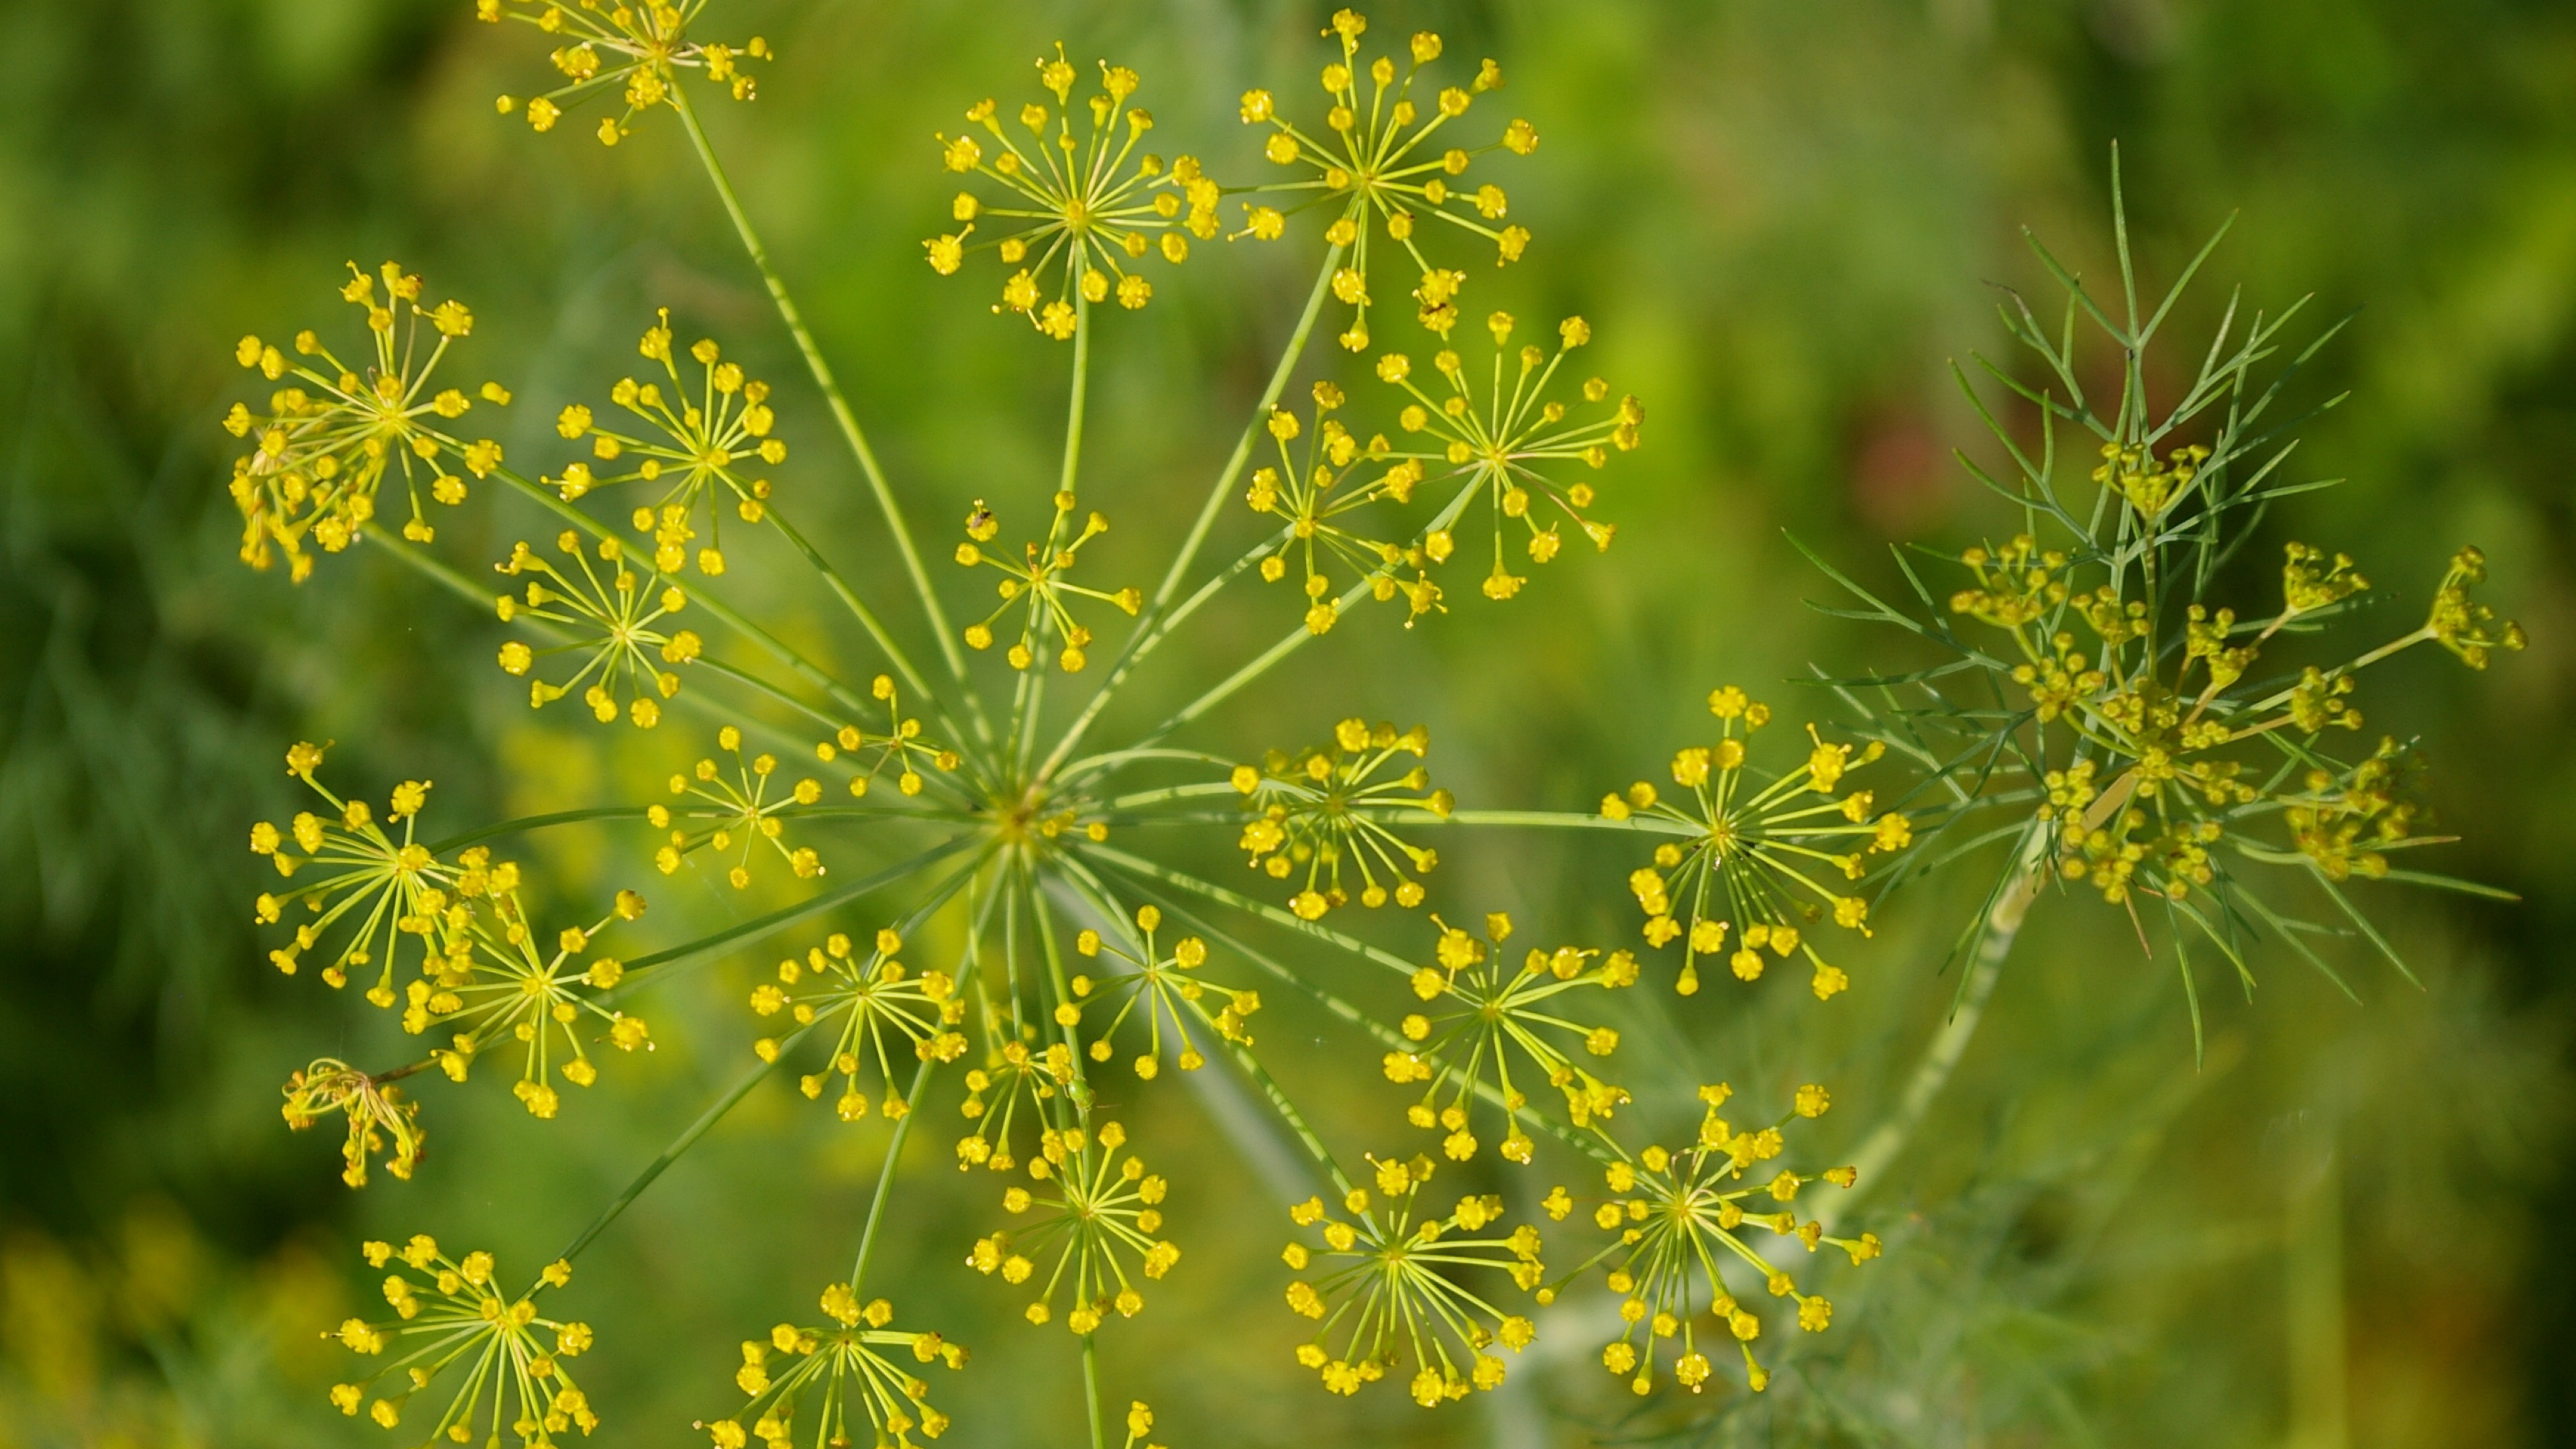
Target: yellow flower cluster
[[734, 814], [874, 997], [703, 436], [1675, 1217], [1385, 1289], [1755, 853], [901, 748], [1166, 991], [1375, 168], [449, 1312], [322, 449], [1099, 1212], [385, 890], [375, 1109], [1090, 207], [617, 624], [1038, 588], [1331, 805], [637, 48], [843, 1371]]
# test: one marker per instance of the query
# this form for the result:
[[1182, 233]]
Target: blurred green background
[[1782, 220]]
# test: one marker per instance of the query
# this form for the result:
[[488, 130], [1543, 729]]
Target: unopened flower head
[[1394, 1286], [379, 1116], [620, 639], [451, 1313], [1336, 807], [512, 985], [732, 812], [1479, 1016], [637, 49], [692, 438], [1155, 998], [1678, 1221], [1080, 211], [1037, 598], [826, 1384], [1377, 166], [322, 449], [1758, 856], [1510, 445], [1095, 1237], [878, 1010], [377, 891]]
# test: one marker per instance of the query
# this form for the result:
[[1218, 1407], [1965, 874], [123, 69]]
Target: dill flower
[[624, 653], [1375, 169], [1140, 1422], [383, 888], [375, 1110], [1164, 990], [1101, 1212], [874, 997], [734, 815], [503, 985], [1677, 1218], [1037, 587], [698, 437], [2463, 625], [1386, 1293], [1503, 446], [844, 1370], [1316, 495], [1332, 804], [636, 47], [1482, 1017], [1095, 204], [448, 1311], [1755, 854], [901, 747], [1012, 1078], [322, 450]]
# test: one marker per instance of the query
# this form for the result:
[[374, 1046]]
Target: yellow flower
[[2463, 625], [1386, 1289], [735, 815], [1037, 587], [375, 1111], [1751, 867], [1674, 1218], [1478, 1016], [851, 1366], [386, 889], [451, 1311], [638, 48], [700, 436], [1091, 207], [875, 997], [1375, 168], [1166, 990], [1503, 445], [1012, 1077], [1332, 806], [901, 747], [321, 451], [1316, 491], [625, 656], [1101, 1212], [503, 984]]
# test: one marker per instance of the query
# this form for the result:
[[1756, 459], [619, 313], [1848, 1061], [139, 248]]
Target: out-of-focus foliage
[[1781, 220]]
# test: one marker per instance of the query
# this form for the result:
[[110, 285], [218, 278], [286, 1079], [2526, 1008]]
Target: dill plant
[[2092, 715]]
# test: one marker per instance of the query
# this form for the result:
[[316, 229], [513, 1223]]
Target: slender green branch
[[840, 406], [758, 926], [713, 1114], [1080, 395], [885, 1174], [1556, 820], [1091, 1390], [526, 823], [850, 599], [1138, 865]]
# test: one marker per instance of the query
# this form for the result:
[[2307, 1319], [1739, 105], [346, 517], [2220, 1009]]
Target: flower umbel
[[1331, 806], [1093, 205], [1375, 169], [734, 814], [507, 987], [851, 1367], [322, 450], [1105, 1212], [1755, 853], [638, 48], [1165, 990], [449, 1311], [618, 620], [1039, 580], [386, 889], [1387, 1292], [901, 748], [875, 997], [375, 1111]]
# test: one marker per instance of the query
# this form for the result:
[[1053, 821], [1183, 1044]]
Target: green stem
[[1558, 820], [1081, 393], [1147, 633], [885, 1174], [850, 598], [1091, 1390], [1137, 865], [1942, 1053], [840, 406], [789, 915], [713, 1114], [537, 822]]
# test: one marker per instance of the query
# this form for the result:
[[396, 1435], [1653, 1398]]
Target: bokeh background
[[2346, 1227]]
